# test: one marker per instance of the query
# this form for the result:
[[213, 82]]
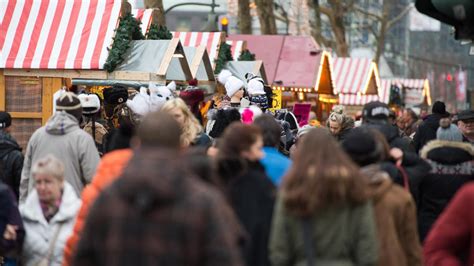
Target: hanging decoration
[[224, 55], [128, 30]]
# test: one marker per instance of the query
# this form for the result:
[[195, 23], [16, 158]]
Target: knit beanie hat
[[223, 76], [361, 146], [439, 108], [232, 85], [448, 131], [5, 120], [255, 84], [69, 103]]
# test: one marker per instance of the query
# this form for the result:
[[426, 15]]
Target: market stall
[[145, 16], [211, 40], [357, 81], [414, 92], [44, 44], [240, 68], [237, 47]]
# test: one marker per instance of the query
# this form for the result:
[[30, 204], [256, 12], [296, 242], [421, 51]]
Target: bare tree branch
[[367, 13], [391, 22]]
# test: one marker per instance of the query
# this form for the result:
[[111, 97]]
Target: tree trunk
[[266, 16], [245, 20], [338, 27], [158, 16], [316, 25], [125, 8], [382, 31]]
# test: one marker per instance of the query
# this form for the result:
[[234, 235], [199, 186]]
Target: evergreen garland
[[158, 33], [246, 55], [128, 30], [224, 55]]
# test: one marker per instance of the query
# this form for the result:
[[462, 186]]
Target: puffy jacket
[[61, 137], [452, 166], [11, 161], [40, 233], [110, 167]]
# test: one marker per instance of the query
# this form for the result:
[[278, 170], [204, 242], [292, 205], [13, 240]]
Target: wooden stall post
[[2, 91]]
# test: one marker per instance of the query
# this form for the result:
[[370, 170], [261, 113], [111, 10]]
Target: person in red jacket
[[451, 241]]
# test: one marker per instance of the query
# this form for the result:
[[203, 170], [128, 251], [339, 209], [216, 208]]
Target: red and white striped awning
[[236, 48], [211, 40], [415, 84], [144, 16], [56, 34], [357, 99], [352, 75]]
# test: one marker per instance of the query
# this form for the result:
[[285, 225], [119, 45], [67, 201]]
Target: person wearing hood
[[11, 158], [250, 191], [452, 164], [394, 208], [426, 131], [48, 213], [161, 214], [62, 137], [339, 123]]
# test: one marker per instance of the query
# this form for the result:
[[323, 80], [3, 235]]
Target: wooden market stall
[[237, 47], [43, 46], [145, 16], [296, 66], [414, 92], [211, 40], [357, 81]]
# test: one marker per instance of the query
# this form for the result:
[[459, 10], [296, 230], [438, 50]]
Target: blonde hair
[[49, 165], [191, 128], [337, 115]]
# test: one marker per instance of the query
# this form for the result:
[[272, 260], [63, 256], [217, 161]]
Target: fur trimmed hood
[[447, 152]]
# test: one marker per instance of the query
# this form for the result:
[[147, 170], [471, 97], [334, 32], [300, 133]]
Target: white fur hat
[[223, 76], [90, 103], [255, 86], [232, 85]]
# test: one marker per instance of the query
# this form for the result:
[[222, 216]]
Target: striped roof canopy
[[415, 84], [144, 16], [356, 80], [236, 47], [211, 40], [56, 34]]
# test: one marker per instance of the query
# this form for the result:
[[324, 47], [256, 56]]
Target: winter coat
[[392, 135], [252, 195], [202, 140], [426, 131], [276, 164], [161, 215], [11, 161], [9, 214], [40, 233], [342, 236], [109, 169], [395, 216], [61, 137], [451, 240], [452, 166]]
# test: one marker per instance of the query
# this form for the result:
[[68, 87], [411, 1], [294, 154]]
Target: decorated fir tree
[[158, 32], [224, 55], [128, 30], [246, 55]]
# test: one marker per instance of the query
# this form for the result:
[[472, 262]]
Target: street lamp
[[211, 24]]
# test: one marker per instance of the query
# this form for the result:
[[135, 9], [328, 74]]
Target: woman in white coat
[[48, 214]]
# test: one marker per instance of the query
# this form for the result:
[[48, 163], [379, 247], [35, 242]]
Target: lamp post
[[211, 17]]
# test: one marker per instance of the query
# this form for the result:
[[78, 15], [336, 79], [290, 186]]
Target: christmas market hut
[[411, 92], [357, 81], [201, 67], [145, 17], [211, 40], [43, 45], [240, 68], [237, 47], [297, 68]]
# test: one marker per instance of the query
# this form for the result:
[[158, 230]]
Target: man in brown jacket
[[394, 208], [157, 213]]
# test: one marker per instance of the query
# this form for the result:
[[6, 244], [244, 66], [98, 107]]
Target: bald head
[[159, 130]]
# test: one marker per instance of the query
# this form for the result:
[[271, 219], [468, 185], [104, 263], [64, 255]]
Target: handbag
[[47, 259]]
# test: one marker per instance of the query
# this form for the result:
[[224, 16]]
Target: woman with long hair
[[193, 133], [322, 213], [249, 190]]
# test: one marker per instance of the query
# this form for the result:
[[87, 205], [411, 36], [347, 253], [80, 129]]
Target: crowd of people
[[159, 180]]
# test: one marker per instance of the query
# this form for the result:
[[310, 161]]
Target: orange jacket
[[110, 167]]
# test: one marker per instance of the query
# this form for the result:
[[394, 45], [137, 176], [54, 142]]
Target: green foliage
[[158, 32], [128, 30], [225, 55], [246, 55]]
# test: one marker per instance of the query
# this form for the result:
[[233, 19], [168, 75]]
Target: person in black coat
[[427, 129], [11, 158], [452, 164], [12, 232], [250, 192]]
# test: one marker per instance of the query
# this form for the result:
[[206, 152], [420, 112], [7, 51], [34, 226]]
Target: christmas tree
[[158, 32], [224, 55], [246, 55]]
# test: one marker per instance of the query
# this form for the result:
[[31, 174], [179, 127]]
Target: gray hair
[[450, 133], [49, 165]]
